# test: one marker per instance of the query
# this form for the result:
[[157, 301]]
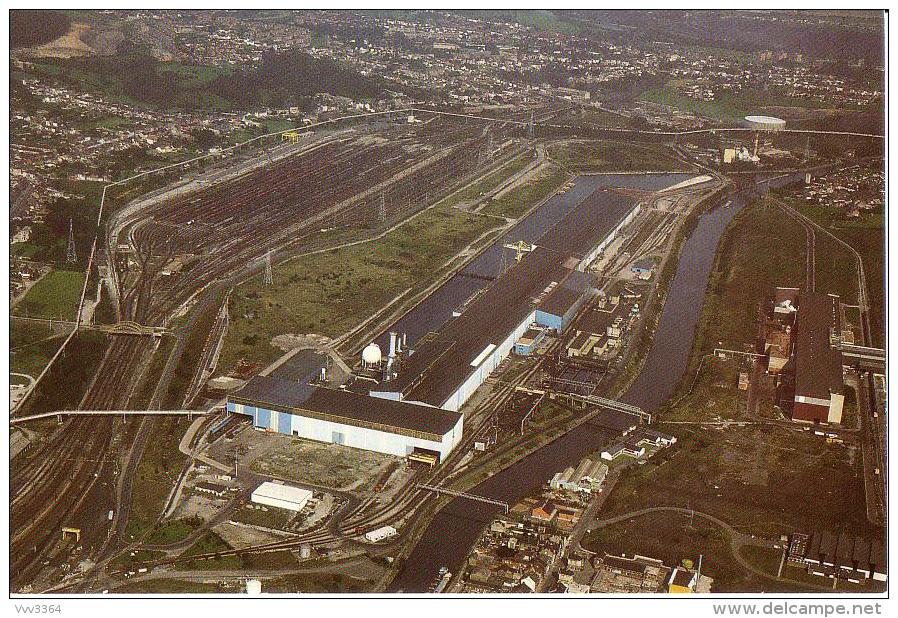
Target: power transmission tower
[[267, 278], [807, 149], [489, 146], [382, 208], [70, 250]]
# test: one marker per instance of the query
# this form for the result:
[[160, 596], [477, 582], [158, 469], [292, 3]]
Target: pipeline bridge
[[602, 402], [866, 357], [124, 413], [462, 494]]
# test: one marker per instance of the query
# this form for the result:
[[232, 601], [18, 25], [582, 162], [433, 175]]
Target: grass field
[[208, 543], [612, 156], [490, 181], [763, 248], [726, 107], [330, 293], [31, 345], [156, 474], [672, 537], [170, 586], [56, 296], [172, 531], [127, 560], [519, 199], [836, 270]]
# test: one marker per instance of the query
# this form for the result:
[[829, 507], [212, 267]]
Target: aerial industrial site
[[446, 303]]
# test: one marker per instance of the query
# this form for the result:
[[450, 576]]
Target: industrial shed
[[819, 387], [281, 496], [346, 418], [547, 287]]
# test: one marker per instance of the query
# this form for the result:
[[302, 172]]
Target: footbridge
[[462, 494], [60, 413]]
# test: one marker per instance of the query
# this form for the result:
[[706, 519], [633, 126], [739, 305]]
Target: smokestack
[[404, 342], [324, 374], [392, 345]]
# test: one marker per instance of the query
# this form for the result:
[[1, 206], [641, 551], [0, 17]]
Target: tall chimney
[[392, 345]]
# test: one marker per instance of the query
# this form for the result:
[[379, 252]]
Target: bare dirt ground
[[69, 45]]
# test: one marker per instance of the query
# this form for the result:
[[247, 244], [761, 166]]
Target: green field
[[156, 474], [612, 156], [836, 267], [171, 586], [726, 107], [513, 203], [330, 293], [31, 345], [208, 543], [56, 295], [490, 181], [763, 248]]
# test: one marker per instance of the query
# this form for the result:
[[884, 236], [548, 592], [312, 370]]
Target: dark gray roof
[[818, 365], [275, 391], [345, 406], [441, 365], [588, 224]]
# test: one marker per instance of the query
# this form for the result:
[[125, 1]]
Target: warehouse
[[591, 227], [819, 388], [529, 341], [281, 496], [547, 287], [346, 418], [564, 300]]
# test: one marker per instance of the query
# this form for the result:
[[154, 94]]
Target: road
[[737, 540]]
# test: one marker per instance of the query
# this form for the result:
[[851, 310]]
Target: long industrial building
[[414, 403], [547, 287]]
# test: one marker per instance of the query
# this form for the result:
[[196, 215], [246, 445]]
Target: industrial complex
[[409, 401], [432, 301]]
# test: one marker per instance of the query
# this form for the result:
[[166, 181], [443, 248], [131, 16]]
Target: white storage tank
[[253, 586]]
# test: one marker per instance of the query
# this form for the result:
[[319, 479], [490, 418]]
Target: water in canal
[[454, 530]]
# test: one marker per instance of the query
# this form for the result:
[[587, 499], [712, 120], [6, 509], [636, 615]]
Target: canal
[[454, 530]]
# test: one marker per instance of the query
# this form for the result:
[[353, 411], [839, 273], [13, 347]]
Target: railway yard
[[172, 259], [357, 179]]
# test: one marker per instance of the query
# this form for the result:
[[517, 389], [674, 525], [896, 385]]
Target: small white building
[[381, 534], [281, 496]]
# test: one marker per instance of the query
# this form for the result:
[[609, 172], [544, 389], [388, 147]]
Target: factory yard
[[306, 461]]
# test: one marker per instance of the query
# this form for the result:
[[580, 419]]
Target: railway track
[[226, 227]]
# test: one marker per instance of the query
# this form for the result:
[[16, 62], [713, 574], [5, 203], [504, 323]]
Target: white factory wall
[[349, 435], [586, 261], [372, 439], [458, 398], [280, 502]]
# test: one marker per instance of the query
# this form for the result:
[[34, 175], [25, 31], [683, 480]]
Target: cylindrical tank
[[765, 123], [253, 586]]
